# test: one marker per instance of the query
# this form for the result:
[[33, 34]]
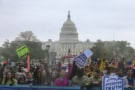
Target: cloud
[[94, 19]]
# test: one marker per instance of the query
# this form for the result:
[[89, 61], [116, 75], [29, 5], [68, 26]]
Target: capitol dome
[[68, 31], [68, 43]]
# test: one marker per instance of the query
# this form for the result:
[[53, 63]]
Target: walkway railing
[[37, 88], [46, 88]]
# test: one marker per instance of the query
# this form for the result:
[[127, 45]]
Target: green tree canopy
[[113, 49], [8, 50]]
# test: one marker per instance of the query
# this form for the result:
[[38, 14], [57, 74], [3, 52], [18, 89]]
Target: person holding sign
[[80, 79], [112, 81], [96, 79], [9, 79]]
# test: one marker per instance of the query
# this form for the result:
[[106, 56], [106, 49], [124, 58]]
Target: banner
[[22, 51], [112, 82], [82, 59]]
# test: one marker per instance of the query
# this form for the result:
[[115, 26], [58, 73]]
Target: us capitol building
[[68, 42]]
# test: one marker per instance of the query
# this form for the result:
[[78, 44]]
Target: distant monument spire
[[69, 15]]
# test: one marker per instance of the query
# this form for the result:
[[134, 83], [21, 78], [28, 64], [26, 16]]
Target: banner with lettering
[[22, 51], [112, 82], [82, 59]]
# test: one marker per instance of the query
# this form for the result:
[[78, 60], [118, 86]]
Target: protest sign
[[112, 82], [22, 51], [82, 59], [88, 53]]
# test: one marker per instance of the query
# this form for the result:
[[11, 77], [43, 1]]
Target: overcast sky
[[94, 19]]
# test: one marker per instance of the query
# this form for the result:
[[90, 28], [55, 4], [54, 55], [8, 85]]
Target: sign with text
[[112, 82], [82, 59], [22, 51]]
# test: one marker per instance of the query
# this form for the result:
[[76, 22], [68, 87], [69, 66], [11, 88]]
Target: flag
[[28, 62]]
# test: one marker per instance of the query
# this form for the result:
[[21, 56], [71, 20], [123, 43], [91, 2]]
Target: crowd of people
[[57, 75]]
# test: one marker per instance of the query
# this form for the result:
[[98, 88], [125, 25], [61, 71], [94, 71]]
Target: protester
[[121, 73], [80, 79], [96, 79], [22, 79], [40, 75], [9, 79], [54, 75], [29, 80], [48, 74], [62, 80], [73, 71], [66, 75], [17, 76], [129, 81]]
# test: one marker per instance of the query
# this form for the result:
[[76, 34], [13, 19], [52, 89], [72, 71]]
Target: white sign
[[82, 59], [88, 53], [112, 82]]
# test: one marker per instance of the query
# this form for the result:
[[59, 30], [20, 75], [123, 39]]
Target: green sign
[[22, 51]]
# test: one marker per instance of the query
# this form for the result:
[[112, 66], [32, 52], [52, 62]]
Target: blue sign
[[80, 60], [112, 82]]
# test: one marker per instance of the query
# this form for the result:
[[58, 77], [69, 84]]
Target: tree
[[27, 36], [6, 44], [35, 48], [99, 50], [8, 51], [113, 49]]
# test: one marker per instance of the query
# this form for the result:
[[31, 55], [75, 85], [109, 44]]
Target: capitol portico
[[68, 42]]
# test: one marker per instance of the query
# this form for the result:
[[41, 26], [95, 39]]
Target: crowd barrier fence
[[47, 88]]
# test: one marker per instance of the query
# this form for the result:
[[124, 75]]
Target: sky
[[106, 20]]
